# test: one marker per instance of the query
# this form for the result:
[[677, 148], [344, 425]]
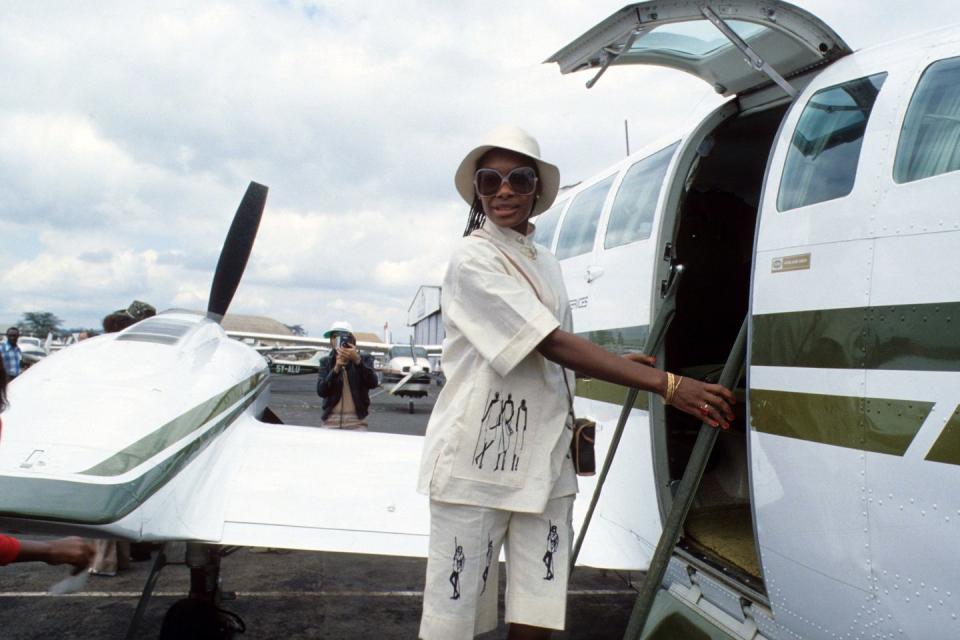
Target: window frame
[[624, 176], [563, 201], [610, 176], [780, 207], [903, 124]]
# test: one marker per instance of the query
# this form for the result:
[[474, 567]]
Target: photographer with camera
[[346, 377]]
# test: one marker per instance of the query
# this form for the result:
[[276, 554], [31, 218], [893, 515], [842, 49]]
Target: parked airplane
[[407, 372], [174, 447], [292, 366], [812, 203], [269, 343], [32, 350], [815, 203]]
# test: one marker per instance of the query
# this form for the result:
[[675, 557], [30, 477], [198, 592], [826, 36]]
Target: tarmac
[[293, 594]]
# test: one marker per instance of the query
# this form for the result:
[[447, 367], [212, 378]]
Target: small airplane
[[270, 343], [814, 203], [294, 367], [32, 350], [813, 210], [408, 369], [162, 432]]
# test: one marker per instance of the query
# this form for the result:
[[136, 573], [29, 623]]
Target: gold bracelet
[[668, 392], [673, 383]]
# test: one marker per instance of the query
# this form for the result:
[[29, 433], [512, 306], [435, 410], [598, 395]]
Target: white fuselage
[[847, 464]]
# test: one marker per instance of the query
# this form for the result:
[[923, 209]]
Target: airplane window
[[930, 140], [631, 218], [546, 224], [696, 38], [822, 161], [580, 224]]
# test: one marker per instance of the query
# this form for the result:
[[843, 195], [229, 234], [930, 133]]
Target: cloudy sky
[[129, 131]]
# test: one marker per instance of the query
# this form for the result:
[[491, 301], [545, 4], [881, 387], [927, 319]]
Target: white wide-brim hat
[[517, 140], [338, 327]]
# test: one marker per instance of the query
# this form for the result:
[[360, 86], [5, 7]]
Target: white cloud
[[128, 132]]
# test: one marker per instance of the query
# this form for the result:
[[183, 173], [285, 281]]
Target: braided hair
[[476, 217]]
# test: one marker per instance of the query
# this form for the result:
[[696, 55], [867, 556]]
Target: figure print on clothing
[[486, 569], [504, 424], [484, 435], [553, 543], [458, 559], [506, 432], [520, 435]]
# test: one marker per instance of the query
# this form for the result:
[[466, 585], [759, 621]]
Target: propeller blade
[[236, 250]]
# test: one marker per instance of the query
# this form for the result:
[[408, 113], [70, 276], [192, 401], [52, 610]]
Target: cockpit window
[[631, 217], [404, 352], [160, 330], [930, 140], [580, 224], [822, 160], [546, 224]]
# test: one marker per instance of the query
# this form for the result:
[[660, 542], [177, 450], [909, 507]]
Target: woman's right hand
[[710, 402]]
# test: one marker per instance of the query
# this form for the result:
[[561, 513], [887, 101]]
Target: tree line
[[41, 323]]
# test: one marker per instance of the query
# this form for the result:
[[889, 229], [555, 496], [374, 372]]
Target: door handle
[[593, 273]]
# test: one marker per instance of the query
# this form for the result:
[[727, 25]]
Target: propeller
[[236, 250]]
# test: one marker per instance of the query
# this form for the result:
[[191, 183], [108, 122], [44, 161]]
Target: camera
[[344, 340]]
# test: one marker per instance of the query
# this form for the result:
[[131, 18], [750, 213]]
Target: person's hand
[[641, 358], [350, 353], [341, 361], [709, 402], [73, 550]]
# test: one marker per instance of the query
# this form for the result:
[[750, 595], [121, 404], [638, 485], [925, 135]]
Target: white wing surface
[[323, 489], [328, 490]]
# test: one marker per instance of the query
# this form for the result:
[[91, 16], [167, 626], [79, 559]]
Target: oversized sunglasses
[[522, 181]]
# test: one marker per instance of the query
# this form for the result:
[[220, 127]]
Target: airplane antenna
[[626, 134], [236, 250]]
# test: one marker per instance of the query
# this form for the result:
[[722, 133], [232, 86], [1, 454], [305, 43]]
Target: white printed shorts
[[460, 596]]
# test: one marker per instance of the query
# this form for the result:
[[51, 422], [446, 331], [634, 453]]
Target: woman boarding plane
[[508, 345]]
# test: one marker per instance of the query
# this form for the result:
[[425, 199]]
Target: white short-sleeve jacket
[[499, 435]]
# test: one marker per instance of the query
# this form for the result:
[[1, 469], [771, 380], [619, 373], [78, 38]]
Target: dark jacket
[[362, 378]]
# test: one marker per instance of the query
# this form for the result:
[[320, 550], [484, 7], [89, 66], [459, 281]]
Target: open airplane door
[[737, 46]]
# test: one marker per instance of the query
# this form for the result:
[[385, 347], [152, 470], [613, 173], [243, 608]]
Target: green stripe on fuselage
[[181, 426], [609, 392], [947, 447], [880, 425], [913, 337], [622, 340], [87, 503]]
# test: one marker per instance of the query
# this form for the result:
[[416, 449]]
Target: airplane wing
[[346, 491], [299, 342], [319, 489]]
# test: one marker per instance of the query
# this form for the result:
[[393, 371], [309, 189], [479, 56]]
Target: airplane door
[[710, 40]]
